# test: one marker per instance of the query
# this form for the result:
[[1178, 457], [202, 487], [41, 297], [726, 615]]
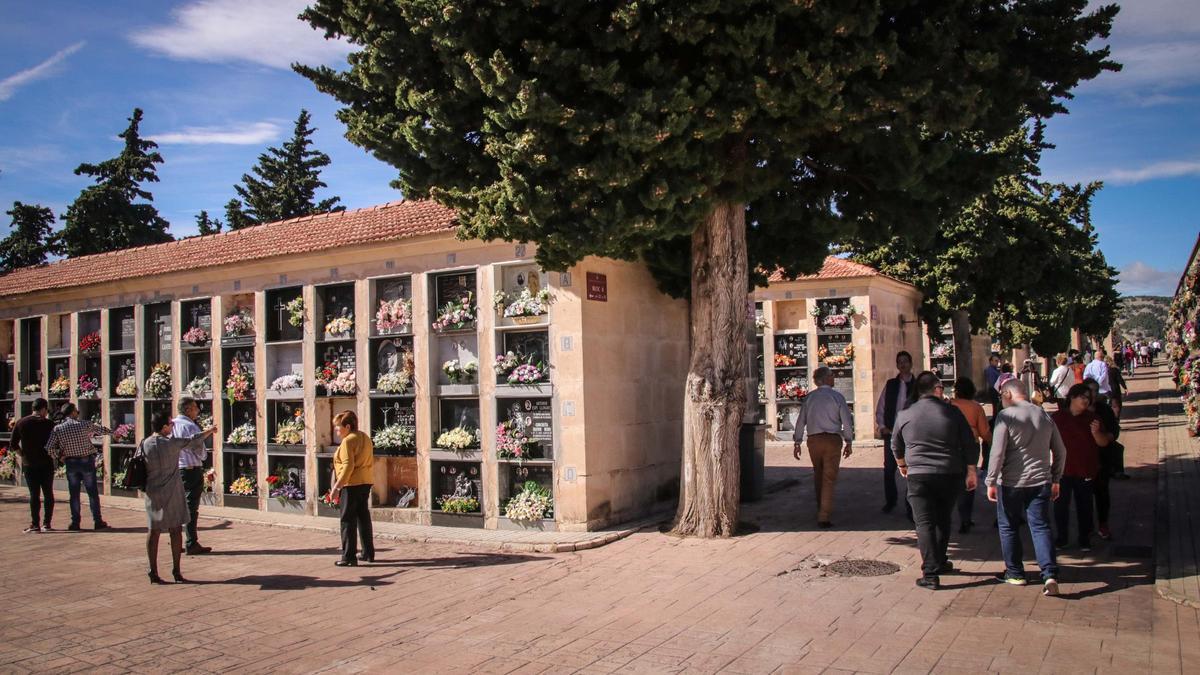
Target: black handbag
[[136, 471]]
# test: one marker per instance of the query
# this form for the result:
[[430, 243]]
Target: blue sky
[[213, 80]]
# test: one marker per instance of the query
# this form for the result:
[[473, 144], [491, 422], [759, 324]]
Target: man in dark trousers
[[934, 446], [29, 439], [893, 400]]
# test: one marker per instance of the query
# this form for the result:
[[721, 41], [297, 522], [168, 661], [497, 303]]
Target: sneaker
[[1011, 581], [1050, 587], [1104, 532], [32, 529], [47, 528]]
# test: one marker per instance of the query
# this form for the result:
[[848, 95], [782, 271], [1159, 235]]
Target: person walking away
[[71, 443], [166, 506], [964, 400], [1061, 380], [1075, 361], [936, 451], [825, 423], [353, 465], [1117, 381], [1119, 358], [1130, 359], [191, 471], [1112, 462], [29, 438], [1024, 474], [893, 400], [1098, 371], [1083, 436], [1144, 354]]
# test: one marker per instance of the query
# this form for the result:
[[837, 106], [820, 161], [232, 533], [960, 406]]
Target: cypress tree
[[284, 183]]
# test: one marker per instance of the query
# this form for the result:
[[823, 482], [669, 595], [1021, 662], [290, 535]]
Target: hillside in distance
[[1142, 316]]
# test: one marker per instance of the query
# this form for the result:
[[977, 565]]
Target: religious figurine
[[407, 495], [462, 487]]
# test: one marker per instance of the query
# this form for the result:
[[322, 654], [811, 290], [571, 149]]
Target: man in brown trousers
[[825, 422]]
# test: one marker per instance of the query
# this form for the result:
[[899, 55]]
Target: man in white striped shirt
[[191, 470], [825, 422]]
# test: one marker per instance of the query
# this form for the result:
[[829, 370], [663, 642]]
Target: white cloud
[[10, 84], [265, 32], [255, 133], [1138, 278], [1167, 169], [24, 157], [1154, 65], [1155, 17]]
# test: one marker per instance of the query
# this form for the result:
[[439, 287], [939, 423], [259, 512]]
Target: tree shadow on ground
[[297, 582], [460, 561]]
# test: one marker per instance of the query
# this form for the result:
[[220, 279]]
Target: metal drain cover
[[862, 568]]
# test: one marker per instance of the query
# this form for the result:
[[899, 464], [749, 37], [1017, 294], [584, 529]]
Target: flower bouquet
[[31, 389], [291, 431], [243, 486], [394, 315], [394, 437], [835, 321], [199, 387], [791, 388], [760, 323], [123, 433], [244, 434], [394, 383], [460, 373], [336, 382], [784, 360], [340, 326], [457, 314], [942, 350], [514, 443], [328, 500], [158, 385], [239, 386], [518, 372], [204, 421], [458, 439], [452, 504], [210, 479], [835, 360], [524, 305], [60, 388], [90, 344], [8, 465], [815, 312], [283, 490], [238, 323], [532, 503], [87, 386], [127, 388], [118, 480], [295, 310], [197, 336], [287, 382]]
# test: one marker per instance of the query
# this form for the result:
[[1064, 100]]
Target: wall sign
[[597, 286]]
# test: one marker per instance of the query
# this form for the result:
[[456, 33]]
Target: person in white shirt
[[1098, 371], [825, 422], [1061, 379], [191, 470], [891, 402]]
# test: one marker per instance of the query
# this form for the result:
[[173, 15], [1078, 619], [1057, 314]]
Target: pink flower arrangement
[[239, 384], [835, 321], [344, 383], [90, 343], [123, 433], [526, 373], [393, 315], [456, 315], [197, 336], [88, 386], [513, 443], [237, 323], [791, 388]]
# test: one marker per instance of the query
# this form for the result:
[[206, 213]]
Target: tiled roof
[[307, 234], [833, 268]]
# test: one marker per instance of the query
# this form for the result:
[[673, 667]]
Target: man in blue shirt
[[191, 469], [1098, 371]]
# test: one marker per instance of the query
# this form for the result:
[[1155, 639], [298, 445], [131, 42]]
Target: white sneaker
[[1050, 588]]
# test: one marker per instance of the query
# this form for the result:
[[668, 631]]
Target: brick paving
[[1178, 542], [270, 599]]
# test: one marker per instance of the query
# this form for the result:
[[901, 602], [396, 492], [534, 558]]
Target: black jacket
[[30, 436]]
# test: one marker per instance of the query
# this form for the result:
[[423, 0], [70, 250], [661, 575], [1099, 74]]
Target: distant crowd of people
[[174, 454], [1036, 464]]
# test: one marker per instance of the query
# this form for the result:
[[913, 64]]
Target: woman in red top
[[1083, 436]]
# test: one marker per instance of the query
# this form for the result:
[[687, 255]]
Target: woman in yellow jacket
[[353, 464]]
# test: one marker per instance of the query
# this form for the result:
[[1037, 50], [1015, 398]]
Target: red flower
[[272, 480]]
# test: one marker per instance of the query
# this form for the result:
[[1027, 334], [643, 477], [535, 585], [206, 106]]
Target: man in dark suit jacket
[[895, 397]]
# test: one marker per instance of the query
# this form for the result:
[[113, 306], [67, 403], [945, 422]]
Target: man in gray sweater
[[1024, 470], [933, 445]]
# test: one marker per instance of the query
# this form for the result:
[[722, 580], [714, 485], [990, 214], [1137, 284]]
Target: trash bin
[[752, 445]]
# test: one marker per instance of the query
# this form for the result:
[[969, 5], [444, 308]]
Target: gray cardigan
[[933, 437]]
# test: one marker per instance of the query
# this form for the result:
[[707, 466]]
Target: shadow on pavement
[[295, 582]]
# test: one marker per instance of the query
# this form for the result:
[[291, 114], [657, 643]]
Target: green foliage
[[32, 238], [614, 128], [284, 183], [104, 217], [207, 225], [1143, 316]]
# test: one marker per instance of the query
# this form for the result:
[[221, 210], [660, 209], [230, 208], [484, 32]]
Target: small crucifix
[[280, 308]]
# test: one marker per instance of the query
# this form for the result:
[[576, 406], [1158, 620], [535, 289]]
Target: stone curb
[[1162, 508]]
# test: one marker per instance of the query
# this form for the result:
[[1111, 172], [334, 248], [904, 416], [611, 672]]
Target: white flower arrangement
[[460, 373], [943, 350], [341, 325], [523, 303], [394, 437], [158, 385], [199, 386], [127, 388], [458, 438], [291, 431], [394, 383], [288, 382], [244, 434], [532, 503]]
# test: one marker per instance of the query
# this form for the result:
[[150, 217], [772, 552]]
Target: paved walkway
[[270, 600], [1178, 540]]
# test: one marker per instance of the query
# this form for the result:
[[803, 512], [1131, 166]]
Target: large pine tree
[[206, 225], [32, 240], [712, 137], [105, 216], [284, 184]]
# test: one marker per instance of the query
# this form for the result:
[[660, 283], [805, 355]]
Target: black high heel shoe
[[154, 578], [178, 576]]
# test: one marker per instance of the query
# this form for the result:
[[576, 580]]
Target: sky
[[214, 80]]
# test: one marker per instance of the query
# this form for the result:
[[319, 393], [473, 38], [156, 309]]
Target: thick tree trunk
[[715, 399], [960, 324]]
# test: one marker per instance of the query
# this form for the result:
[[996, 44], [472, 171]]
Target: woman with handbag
[[166, 508]]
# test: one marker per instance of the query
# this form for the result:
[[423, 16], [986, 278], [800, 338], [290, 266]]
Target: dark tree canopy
[[105, 217], [206, 225], [32, 240], [284, 184], [613, 128]]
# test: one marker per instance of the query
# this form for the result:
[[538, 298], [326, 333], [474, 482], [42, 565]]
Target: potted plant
[[8, 466], [525, 307], [291, 431], [456, 314], [791, 388], [517, 372], [31, 389], [123, 434], [942, 350], [393, 316], [835, 360], [339, 327], [336, 382], [244, 434], [460, 505], [208, 496], [197, 337], [158, 385], [90, 344], [394, 383], [287, 493], [291, 382], [295, 310]]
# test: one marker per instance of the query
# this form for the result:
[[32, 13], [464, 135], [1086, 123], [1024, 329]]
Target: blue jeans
[[1034, 504], [83, 470]]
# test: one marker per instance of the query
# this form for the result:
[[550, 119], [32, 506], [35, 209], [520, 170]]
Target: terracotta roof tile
[[833, 268], [307, 234]]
